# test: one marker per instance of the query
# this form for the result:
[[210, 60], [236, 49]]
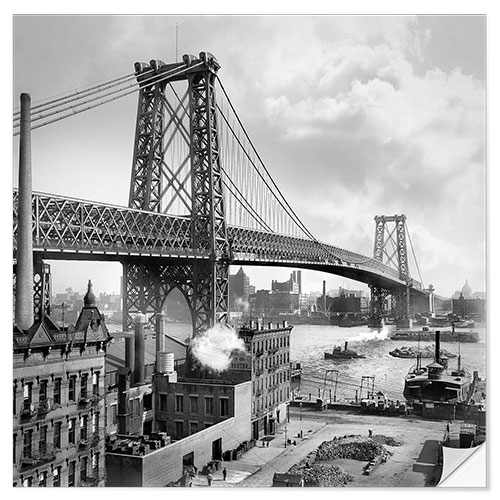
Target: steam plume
[[371, 335], [213, 348]]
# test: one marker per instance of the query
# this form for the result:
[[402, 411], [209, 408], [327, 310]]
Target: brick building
[[58, 401], [270, 374]]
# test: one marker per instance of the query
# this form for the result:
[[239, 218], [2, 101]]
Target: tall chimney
[[438, 346], [139, 345], [160, 332], [24, 279], [324, 295]]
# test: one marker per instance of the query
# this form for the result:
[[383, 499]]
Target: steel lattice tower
[[204, 280], [390, 249]]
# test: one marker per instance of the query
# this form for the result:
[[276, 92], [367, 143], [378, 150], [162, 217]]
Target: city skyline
[[390, 119]]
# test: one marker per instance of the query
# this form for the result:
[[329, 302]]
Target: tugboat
[[426, 352], [433, 383], [338, 353]]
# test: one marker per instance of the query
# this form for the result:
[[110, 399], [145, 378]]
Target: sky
[[354, 116]]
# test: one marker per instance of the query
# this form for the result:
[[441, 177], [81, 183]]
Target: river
[[309, 342]]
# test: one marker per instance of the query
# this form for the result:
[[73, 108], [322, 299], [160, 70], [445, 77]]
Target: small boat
[[426, 352], [338, 353]]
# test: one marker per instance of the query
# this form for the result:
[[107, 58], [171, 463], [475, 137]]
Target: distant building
[[290, 286], [239, 292], [470, 308]]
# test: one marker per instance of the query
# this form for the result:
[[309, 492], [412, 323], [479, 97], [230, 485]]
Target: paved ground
[[412, 464]]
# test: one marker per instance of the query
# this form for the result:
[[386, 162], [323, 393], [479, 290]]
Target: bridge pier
[[204, 285]]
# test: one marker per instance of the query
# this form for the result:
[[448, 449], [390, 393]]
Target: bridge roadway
[[73, 229]]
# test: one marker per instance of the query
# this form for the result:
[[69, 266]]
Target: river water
[[309, 342]]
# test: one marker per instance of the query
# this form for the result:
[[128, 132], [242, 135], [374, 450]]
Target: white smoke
[[213, 348], [374, 334], [242, 305]]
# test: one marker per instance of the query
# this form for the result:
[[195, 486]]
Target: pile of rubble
[[387, 440], [354, 447], [322, 475]]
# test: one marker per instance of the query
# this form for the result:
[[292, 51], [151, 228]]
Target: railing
[[28, 410], [93, 479], [34, 459]]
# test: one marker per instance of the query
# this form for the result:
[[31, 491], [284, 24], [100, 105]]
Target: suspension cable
[[414, 256], [78, 93], [125, 93], [290, 210], [134, 85]]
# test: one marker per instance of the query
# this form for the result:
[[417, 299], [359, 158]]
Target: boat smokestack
[[345, 346], [24, 279], [438, 346]]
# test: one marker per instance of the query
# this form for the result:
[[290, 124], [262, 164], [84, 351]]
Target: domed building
[[467, 290]]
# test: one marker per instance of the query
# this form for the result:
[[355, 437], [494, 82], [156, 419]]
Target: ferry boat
[[338, 353], [426, 334], [433, 383]]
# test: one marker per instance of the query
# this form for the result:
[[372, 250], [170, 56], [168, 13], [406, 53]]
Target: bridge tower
[[194, 183], [390, 249]]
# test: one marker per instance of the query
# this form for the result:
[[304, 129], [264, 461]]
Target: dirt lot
[[412, 464]]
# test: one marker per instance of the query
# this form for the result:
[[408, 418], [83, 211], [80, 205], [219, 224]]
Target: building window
[[95, 384], [43, 439], [71, 388], [27, 443], [193, 427], [42, 479], [83, 469], [179, 402], [83, 386], [71, 473], [57, 435], [57, 391], [209, 405], [113, 414], [95, 463], [56, 477], [83, 427], [163, 402], [71, 431], [27, 482], [224, 407], [193, 404], [42, 395], [179, 429]]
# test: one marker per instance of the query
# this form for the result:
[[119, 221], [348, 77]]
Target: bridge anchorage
[[200, 199]]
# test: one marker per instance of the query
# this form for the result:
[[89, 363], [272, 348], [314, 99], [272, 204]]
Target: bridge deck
[[72, 229]]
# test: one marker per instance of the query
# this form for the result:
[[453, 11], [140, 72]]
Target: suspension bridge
[[200, 200]]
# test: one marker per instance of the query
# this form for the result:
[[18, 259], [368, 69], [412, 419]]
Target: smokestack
[[345, 346], [299, 280], [324, 295], [24, 278], [438, 345], [139, 345], [160, 332]]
